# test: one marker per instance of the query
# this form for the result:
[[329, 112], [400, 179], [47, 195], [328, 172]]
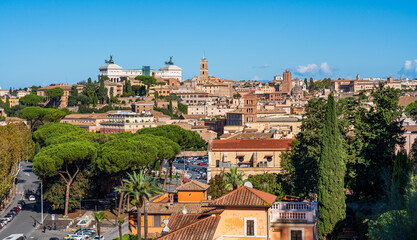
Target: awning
[[239, 156], [269, 156]]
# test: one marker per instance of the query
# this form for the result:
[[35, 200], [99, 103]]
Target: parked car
[[196, 162], [13, 212], [17, 208], [201, 163], [9, 216], [3, 223], [32, 198], [6, 219], [187, 168], [21, 202], [15, 237], [98, 238], [53, 238]]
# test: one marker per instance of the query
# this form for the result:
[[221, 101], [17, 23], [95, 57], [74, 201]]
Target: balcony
[[294, 212]]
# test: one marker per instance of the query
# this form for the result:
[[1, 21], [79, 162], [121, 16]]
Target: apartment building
[[252, 156]]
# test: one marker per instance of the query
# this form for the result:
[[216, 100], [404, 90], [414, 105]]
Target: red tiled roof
[[203, 229], [193, 185], [405, 100], [252, 144], [180, 220], [245, 196]]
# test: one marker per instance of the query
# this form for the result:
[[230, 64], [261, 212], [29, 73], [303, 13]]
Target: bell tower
[[203, 68]]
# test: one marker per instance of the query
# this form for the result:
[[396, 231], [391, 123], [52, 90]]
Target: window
[[250, 226], [296, 234], [156, 220]]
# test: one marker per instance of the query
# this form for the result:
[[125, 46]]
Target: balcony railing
[[294, 212]]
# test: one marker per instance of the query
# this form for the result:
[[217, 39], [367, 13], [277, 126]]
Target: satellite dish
[[248, 184], [184, 211]]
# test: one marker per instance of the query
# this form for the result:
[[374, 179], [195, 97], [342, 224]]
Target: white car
[[78, 237], [32, 198]]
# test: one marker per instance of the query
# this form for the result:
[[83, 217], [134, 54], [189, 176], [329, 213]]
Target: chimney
[[171, 199]]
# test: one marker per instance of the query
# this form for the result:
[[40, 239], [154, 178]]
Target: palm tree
[[140, 188], [120, 223], [233, 179], [99, 216]]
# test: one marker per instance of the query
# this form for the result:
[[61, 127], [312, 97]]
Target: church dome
[[111, 66]]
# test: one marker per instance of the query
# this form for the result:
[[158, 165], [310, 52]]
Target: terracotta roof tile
[[405, 100], [203, 229], [245, 196], [193, 186], [252, 144]]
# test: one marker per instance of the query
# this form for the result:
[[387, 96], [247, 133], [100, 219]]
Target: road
[[23, 222], [193, 174], [114, 233]]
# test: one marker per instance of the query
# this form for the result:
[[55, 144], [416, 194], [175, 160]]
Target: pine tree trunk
[[67, 193], [160, 169], [122, 194], [171, 162], [165, 180]]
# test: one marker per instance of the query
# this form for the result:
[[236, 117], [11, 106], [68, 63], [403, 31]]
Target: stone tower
[[287, 82], [358, 77], [250, 110], [203, 68]]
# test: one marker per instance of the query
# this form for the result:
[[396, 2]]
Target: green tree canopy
[[233, 179], [65, 160], [55, 95], [121, 155], [31, 100], [331, 174], [37, 116], [267, 182], [50, 130], [73, 98], [186, 139], [307, 153]]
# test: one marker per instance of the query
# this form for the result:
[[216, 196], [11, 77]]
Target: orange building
[[246, 214], [190, 197], [240, 214], [192, 191]]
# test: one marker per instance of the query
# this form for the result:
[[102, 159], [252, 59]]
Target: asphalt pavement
[[23, 223]]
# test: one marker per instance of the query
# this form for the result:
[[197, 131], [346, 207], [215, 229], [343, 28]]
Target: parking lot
[[194, 167]]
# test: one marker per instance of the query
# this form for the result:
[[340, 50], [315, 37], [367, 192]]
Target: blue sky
[[45, 42]]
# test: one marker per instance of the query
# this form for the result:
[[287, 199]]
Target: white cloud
[[264, 66], [256, 78], [409, 69], [313, 69]]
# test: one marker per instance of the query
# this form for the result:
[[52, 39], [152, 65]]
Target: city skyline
[[51, 42]]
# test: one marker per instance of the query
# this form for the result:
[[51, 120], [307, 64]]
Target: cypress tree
[[331, 196]]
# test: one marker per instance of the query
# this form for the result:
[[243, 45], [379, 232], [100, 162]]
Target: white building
[[115, 72], [129, 117]]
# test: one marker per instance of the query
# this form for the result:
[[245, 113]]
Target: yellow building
[[246, 214], [252, 156], [190, 197], [240, 214]]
